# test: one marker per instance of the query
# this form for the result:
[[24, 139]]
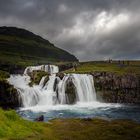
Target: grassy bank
[[115, 66], [12, 127]]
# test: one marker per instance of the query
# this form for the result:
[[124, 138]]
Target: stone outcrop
[[117, 88], [60, 75]]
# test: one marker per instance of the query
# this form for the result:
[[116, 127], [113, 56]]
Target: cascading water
[[84, 87], [48, 68], [53, 92]]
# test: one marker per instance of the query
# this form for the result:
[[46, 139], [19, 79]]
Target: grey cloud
[[71, 25]]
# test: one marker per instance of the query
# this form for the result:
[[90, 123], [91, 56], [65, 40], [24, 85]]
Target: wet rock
[[40, 119], [60, 75], [70, 92]]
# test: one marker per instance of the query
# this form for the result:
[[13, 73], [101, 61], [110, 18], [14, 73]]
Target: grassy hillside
[[21, 46]]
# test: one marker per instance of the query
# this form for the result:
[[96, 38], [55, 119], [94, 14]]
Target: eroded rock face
[[70, 92], [117, 88], [9, 97]]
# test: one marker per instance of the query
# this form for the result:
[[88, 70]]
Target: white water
[[52, 94], [48, 68]]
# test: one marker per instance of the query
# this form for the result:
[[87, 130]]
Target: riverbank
[[14, 127]]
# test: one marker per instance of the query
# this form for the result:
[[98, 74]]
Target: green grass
[[87, 67], [12, 127]]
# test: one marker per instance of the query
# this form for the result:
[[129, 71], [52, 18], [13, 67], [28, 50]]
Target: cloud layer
[[90, 29]]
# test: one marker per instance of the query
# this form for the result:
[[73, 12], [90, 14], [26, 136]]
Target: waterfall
[[54, 91], [84, 87], [48, 68]]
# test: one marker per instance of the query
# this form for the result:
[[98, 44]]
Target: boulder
[[40, 119]]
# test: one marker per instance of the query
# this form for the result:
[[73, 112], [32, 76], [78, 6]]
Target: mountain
[[20, 45]]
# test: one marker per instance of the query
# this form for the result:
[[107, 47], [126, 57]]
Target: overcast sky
[[89, 29]]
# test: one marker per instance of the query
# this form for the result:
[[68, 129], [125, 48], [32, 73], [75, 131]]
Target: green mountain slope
[[19, 45]]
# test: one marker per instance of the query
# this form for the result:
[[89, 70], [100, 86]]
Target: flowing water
[[52, 100]]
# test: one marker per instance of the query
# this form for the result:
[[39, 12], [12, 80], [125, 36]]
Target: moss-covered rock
[[4, 74], [36, 76]]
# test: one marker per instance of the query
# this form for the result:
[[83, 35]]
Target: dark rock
[[87, 119], [12, 68], [65, 67], [40, 119], [9, 97], [70, 92], [60, 75]]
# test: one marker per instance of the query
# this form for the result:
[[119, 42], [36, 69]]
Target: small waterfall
[[54, 91], [48, 68], [84, 87]]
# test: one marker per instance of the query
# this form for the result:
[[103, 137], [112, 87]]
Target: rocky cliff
[[114, 88]]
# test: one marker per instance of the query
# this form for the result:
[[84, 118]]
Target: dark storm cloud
[[90, 29]]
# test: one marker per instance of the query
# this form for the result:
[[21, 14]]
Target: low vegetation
[[122, 67], [4, 75]]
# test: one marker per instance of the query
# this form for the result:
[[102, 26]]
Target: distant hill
[[20, 45]]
